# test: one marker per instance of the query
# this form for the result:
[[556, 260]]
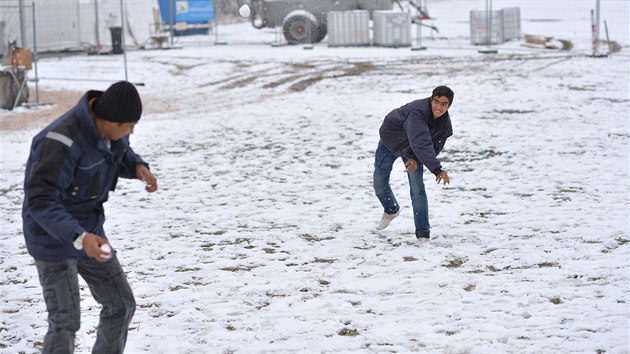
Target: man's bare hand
[[92, 247], [145, 175], [443, 177], [412, 165]]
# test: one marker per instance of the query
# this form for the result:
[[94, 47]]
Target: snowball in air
[[244, 10]]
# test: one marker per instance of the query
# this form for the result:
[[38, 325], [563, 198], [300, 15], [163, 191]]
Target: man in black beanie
[[73, 164]]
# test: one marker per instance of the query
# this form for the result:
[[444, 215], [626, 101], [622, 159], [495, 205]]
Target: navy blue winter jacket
[[411, 132], [69, 174]]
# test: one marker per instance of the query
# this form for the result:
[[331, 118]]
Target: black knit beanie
[[119, 103]]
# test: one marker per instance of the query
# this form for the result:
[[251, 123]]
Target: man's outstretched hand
[[145, 175], [443, 177]]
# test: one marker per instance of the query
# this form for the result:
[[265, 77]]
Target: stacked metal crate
[[392, 29], [348, 28], [500, 26]]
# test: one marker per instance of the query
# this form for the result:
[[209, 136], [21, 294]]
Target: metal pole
[[419, 35], [124, 50], [593, 40], [24, 43], [35, 54], [79, 22], [610, 47], [170, 19], [488, 50], [216, 25], [96, 29], [490, 24], [597, 27]]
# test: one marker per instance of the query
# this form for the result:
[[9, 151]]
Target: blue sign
[[189, 11]]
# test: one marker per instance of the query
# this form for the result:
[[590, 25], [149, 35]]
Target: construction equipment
[[305, 21]]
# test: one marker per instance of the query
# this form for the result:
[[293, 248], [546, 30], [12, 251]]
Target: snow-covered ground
[[261, 237]]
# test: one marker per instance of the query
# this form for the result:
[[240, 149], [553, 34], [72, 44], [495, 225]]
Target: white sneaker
[[386, 219], [422, 241]]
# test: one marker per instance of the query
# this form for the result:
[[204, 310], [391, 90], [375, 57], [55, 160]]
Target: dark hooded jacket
[[411, 132], [69, 174]]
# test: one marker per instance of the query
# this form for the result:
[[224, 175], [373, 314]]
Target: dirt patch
[[55, 103], [356, 70]]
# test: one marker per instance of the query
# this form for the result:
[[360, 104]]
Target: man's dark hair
[[443, 91]]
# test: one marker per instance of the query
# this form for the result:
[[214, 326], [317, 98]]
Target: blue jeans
[[383, 162], [110, 288]]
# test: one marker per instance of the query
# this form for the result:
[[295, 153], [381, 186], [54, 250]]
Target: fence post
[[24, 43], [488, 50], [122, 38], [96, 28], [2, 44], [596, 27], [35, 54]]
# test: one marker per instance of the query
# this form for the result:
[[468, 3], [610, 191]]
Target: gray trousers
[[110, 288]]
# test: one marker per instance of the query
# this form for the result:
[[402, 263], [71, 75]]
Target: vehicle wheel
[[296, 25], [322, 30]]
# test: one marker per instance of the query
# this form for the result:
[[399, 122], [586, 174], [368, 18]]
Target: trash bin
[[116, 39]]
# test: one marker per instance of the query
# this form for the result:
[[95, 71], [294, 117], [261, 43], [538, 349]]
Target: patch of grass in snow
[[348, 332], [208, 247], [324, 282], [239, 268], [555, 300], [513, 111], [561, 193], [537, 265], [324, 260], [312, 238], [183, 270], [524, 195], [213, 233], [470, 287], [455, 262], [622, 241], [271, 294], [469, 155], [237, 241], [482, 215], [488, 251], [591, 241], [409, 259]]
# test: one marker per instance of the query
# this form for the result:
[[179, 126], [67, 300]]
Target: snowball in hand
[[106, 248], [244, 10]]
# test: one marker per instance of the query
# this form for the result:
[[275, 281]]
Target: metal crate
[[512, 23], [392, 29], [348, 28], [486, 29], [502, 25]]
